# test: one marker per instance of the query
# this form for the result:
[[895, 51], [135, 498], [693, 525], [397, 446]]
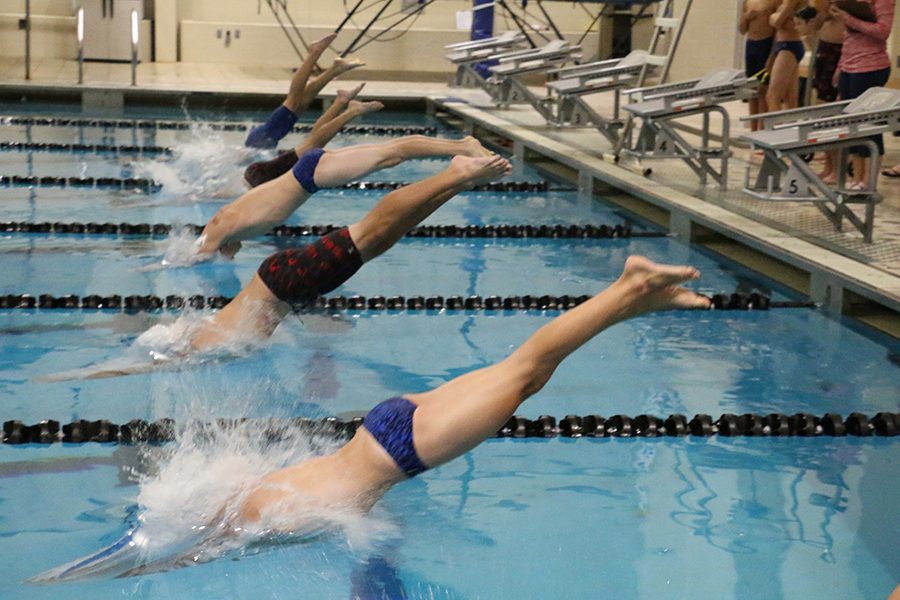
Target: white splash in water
[[204, 167], [181, 249], [168, 346], [208, 472], [189, 508]]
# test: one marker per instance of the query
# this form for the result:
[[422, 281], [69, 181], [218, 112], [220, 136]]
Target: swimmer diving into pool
[[303, 90], [268, 205], [406, 435], [292, 279]]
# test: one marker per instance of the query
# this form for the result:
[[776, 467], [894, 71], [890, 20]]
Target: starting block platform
[[787, 137], [658, 106], [565, 103], [465, 55], [505, 84]]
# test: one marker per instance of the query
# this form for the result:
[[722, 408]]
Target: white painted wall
[[187, 30], [709, 39], [53, 36]]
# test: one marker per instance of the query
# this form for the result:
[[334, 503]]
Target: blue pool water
[[621, 518]]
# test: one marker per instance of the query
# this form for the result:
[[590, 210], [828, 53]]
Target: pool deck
[[791, 242]]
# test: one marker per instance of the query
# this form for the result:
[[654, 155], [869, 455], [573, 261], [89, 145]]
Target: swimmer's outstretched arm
[[256, 311], [457, 416]]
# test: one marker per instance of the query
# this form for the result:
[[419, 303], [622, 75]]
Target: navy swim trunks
[[756, 55], [390, 422], [279, 124], [305, 169]]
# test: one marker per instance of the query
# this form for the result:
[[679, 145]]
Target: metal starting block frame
[[465, 55], [505, 85], [788, 135], [565, 96], [658, 106]]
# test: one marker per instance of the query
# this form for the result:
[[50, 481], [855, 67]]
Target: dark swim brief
[[266, 170], [390, 422], [828, 56], [756, 55], [794, 47], [305, 169], [299, 275], [279, 124]]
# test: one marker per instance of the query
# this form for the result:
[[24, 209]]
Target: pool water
[[746, 518]]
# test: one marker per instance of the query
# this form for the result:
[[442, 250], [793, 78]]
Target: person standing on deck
[[864, 64], [788, 51], [760, 36]]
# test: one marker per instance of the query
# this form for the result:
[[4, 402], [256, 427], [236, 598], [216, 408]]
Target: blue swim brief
[[390, 422], [794, 47], [305, 169]]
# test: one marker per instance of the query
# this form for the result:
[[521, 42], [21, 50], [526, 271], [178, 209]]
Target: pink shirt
[[865, 44]]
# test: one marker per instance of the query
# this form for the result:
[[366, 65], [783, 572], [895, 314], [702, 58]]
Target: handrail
[[135, 38], [27, 39], [79, 33]]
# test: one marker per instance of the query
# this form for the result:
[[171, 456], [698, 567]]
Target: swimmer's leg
[[319, 135], [348, 164], [322, 133], [299, 97], [403, 209], [282, 120], [256, 311], [457, 416], [337, 68], [779, 95], [326, 131]]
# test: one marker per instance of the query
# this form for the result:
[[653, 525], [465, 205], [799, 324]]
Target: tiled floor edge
[[866, 281]]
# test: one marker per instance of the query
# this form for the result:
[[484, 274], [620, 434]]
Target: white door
[[107, 28]]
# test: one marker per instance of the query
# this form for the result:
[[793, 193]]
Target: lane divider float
[[856, 424], [149, 303]]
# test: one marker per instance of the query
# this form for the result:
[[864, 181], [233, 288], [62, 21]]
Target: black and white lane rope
[[150, 186], [149, 303], [291, 231], [78, 148], [883, 424], [213, 125]]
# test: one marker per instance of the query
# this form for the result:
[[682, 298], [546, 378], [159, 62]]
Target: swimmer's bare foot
[[319, 46], [342, 65], [483, 169], [362, 108], [345, 96], [652, 287], [229, 249], [474, 148]]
